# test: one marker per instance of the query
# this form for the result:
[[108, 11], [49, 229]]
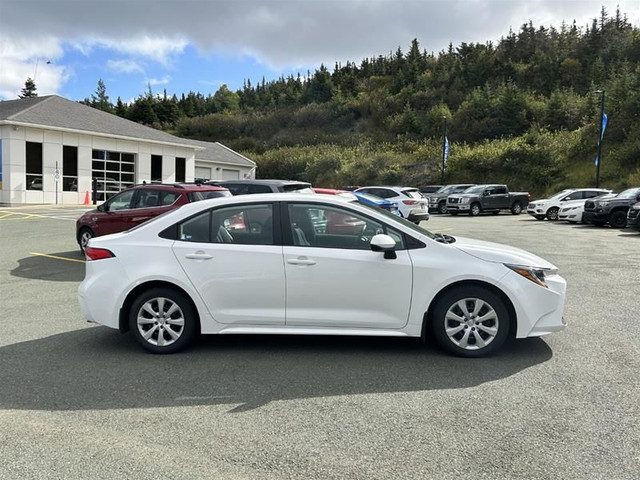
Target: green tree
[[226, 101], [29, 89], [100, 99]]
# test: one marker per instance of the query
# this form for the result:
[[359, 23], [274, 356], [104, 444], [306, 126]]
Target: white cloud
[[154, 82], [30, 58], [125, 66]]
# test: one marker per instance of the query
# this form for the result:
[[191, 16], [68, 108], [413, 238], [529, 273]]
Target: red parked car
[[138, 204]]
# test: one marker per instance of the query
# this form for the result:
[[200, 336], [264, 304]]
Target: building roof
[[56, 112], [216, 152], [59, 113]]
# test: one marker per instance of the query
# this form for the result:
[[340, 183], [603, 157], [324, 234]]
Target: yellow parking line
[[7, 215], [56, 257]]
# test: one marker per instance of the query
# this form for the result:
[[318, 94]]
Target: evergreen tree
[[29, 89], [101, 100]]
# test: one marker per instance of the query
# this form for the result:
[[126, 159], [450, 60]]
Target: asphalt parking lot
[[79, 401]]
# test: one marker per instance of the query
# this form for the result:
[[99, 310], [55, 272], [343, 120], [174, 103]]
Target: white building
[[51, 148]]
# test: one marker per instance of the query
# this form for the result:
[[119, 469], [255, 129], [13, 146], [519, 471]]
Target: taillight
[[409, 202], [97, 253]]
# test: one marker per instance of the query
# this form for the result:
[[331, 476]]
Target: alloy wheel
[[471, 323], [160, 321]]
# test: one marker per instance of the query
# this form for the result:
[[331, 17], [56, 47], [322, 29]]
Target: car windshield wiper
[[444, 238]]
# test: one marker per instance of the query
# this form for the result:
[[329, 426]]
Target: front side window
[[334, 227], [240, 225], [122, 201]]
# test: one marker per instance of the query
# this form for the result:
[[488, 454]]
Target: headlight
[[464, 200], [536, 275]]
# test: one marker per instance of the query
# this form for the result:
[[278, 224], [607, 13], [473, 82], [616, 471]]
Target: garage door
[[203, 173], [228, 174]]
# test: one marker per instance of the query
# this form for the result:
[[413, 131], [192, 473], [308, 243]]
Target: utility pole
[[600, 135], [444, 148]]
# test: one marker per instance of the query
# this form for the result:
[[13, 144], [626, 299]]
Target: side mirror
[[485, 193], [386, 244], [103, 208]]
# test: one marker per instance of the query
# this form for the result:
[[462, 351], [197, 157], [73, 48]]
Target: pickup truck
[[611, 210], [487, 198]]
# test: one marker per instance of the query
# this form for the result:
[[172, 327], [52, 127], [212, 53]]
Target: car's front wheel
[[470, 322], [442, 208], [552, 214], [163, 320], [474, 211], [618, 219]]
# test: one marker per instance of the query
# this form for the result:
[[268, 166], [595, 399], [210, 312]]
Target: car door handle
[[301, 261], [199, 256]]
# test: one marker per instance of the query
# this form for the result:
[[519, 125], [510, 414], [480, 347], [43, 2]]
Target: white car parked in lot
[[273, 263], [411, 204], [550, 207]]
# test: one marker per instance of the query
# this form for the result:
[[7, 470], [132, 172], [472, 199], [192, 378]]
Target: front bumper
[[590, 216], [633, 219], [458, 207], [539, 310]]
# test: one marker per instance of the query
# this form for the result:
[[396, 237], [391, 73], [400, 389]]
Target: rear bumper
[[418, 216]]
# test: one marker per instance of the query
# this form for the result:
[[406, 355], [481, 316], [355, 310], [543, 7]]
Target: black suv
[[611, 210], [633, 217], [244, 187]]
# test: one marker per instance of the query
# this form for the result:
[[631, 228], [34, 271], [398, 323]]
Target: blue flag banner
[[604, 127], [446, 149]]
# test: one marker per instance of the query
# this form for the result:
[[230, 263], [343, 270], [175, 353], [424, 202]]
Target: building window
[[34, 166], [113, 171], [156, 168], [181, 169], [69, 169]]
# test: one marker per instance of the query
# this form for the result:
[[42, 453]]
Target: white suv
[[550, 207], [411, 204]]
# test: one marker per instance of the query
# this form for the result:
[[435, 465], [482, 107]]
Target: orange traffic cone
[[86, 198]]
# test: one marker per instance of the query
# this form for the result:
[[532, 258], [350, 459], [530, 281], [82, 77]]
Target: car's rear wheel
[[618, 219], [163, 320], [470, 322], [84, 236], [442, 208], [552, 214], [474, 211], [516, 208]]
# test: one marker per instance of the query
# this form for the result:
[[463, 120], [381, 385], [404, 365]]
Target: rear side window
[[205, 195], [298, 188], [500, 190], [243, 225], [259, 189]]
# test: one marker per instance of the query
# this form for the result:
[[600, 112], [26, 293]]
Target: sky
[[66, 46]]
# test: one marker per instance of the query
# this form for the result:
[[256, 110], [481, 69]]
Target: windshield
[[560, 194], [401, 220], [447, 189], [630, 193]]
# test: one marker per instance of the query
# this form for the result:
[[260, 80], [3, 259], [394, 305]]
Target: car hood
[[499, 253]]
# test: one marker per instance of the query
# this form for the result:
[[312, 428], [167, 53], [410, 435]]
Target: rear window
[[297, 187], [207, 194], [413, 193]]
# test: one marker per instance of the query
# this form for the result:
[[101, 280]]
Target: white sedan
[[313, 265]]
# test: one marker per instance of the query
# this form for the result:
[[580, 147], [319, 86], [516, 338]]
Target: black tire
[[618, 219], [442, 208], [474, 209], [161, 325], [552, 214], [516, 208], [472, 294], [84, 235]]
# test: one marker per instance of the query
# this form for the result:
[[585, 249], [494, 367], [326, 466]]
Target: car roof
[[191, 187], [260, 182]]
